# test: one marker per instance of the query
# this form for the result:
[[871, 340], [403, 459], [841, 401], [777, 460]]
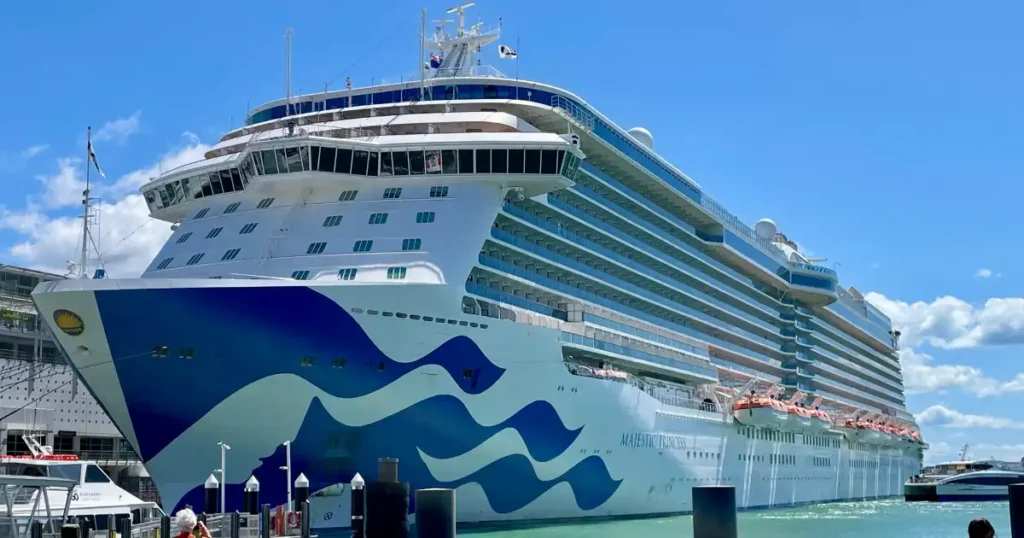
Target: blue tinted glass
[[337, 102]]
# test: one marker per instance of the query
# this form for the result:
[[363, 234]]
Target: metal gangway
[[26, 503]]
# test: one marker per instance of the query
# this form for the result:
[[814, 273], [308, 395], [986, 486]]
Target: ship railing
[[583, 117], [220, 525], [642, 385]]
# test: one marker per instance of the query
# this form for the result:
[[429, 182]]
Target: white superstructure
[[491, 281]]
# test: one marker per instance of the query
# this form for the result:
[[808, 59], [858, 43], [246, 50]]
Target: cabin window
[[69, 472], [95, 475]]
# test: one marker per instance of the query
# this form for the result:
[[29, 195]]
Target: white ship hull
[[348, 375]]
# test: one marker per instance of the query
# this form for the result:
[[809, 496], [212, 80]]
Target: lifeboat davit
[[761, 413], [820, 421]]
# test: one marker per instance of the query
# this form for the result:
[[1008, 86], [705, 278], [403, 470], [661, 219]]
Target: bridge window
[[378, 218], [230, 255], [411, 244], [432, 161], [248, 228], [385, 164], [326, 162], [465, 161], [483, 161], [348, 196], [194, 259], [549, 162], [164, 263], [532, 161], [269, 161], [439, 192], [201, 214], [184, 238], [300, 275], [390, 194], [416, 166], [214, 232], [363, 245], [332, 221], [343, 164], [449, 162], [359, 162], [396, 273], [292, 156], [424, 217], [499, 161], [264, 203], [371, 168], [231, 208], [515, 161], [348, 273], [316, 248], [95, 475], [400, 161]]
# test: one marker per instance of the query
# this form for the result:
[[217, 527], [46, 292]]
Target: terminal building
[[41, 396]]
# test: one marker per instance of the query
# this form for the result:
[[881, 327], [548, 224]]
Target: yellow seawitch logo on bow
[[69, 322]]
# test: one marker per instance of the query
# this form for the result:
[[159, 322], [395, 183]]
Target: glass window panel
[[385, 164], [499, 161], [186, 188], [171, 195], [515, 161], [225, 181], [401, 159], [314, 158], [449, 162], [359, 159], [432, 161], [304, 156], [292, 155], [343, 164], [269, 161], [164, 201], [257, 160], [215, 183], [483, 161], [371, 169], [415, 162], [533, 161], [465, 161], [236, 179], [205, 182], [326, 160], [561, 157], [547, 163]]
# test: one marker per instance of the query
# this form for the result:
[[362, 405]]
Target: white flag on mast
[[505, 51]]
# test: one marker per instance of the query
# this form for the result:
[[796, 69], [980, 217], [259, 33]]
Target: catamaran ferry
[[491, 281]]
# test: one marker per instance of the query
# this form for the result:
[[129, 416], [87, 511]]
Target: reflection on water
[[837, 520]]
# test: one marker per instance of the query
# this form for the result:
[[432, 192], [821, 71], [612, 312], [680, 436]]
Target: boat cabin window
[[22, 469], [70, 471], [93, 475]]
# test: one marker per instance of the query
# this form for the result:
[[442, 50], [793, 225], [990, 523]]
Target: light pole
[[223, 482], [288, 470]]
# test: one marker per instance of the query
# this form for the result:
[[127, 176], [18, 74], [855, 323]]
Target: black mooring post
[[714, 512]]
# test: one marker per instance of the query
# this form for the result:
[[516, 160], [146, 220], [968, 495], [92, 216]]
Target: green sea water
[[874, 519]]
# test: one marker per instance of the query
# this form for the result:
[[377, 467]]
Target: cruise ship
[[490, 280]]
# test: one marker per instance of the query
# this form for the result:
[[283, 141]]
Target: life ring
[[293, 519]]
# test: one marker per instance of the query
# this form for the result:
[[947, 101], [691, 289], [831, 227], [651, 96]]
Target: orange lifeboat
[[760, 412]]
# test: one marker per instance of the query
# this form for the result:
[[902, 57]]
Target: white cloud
[[983, 273], [128, 239], [920, 375], [942, 451], [32, 151], [952, 323], [118, 130], [941, 416]]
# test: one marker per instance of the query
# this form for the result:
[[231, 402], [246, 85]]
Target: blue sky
[[883, 136]]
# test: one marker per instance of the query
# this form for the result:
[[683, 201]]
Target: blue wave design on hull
[[241, 335], [330, 452]]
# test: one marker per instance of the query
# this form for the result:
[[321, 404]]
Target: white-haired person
[[187, 524]]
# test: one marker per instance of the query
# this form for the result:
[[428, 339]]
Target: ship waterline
[[490, 281]]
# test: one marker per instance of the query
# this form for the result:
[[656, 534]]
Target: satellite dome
[[766, 228], [643, 136]]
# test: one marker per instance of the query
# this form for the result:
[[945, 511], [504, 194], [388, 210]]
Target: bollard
[[301, 491], [111, 526], [165, 527], [126, 527], [69, 530], [37, 529], [235, 524], [210, 501], [251, 496], [265, 522], [435, 513], [387, 510], [387, 470], [714, 512], [1016, 509], [305, 521], [358, 505]]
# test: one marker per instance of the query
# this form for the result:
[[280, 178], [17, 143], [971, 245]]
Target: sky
[[883, 136]]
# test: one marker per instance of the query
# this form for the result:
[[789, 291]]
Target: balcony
[[803, 372], [804, 356], [789, 366]]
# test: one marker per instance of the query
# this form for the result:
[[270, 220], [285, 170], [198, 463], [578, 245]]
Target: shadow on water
[[836, 520]]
